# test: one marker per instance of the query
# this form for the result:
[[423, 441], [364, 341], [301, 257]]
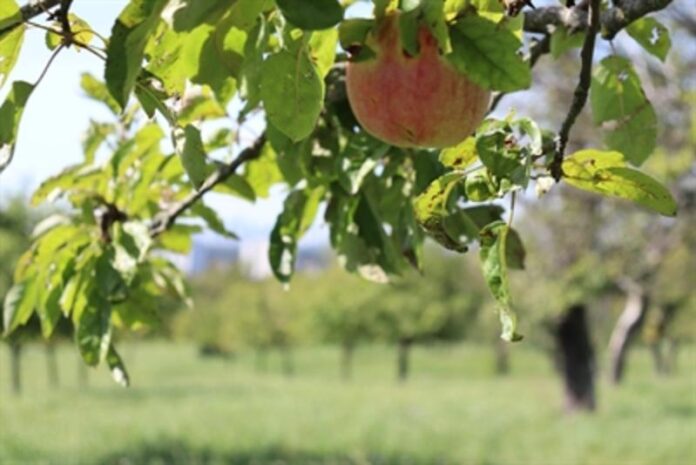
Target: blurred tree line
[[233, 313]]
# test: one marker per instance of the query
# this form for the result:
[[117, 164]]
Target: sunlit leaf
[[495, 271], [606, 173]]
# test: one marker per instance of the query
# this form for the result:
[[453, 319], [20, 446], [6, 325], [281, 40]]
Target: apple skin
[[420, 101]]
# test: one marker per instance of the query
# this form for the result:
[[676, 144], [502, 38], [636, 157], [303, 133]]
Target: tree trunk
[[627, 326], [347, 361], [576, 359], [16, 367], [52, 366], [403, 359], [502, 358], [662, 363]]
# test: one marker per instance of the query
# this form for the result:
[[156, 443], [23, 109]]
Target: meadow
[[185, 409]]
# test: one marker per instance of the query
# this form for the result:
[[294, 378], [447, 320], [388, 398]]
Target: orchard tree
[[373, 117], [344, 313]]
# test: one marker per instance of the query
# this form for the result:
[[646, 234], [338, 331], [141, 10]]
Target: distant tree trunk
[[52, 366], [662, 363], [576, 359], [502, 358], [347, 349], [82, 373], [16, 367], [288, 361], [627, 326], [403, 359]]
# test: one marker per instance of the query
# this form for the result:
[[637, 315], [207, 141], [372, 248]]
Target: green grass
[[183, 409]]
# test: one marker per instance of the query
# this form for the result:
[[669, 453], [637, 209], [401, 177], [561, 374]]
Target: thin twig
[[48, 64], [167, 218], [581, 91]]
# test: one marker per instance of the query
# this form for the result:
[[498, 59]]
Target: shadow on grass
[[171, 453]]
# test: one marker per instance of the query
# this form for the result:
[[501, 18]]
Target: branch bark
[[30, 11], [167, 218], [581, 91], [576, 18]]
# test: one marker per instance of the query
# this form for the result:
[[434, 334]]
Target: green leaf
[[125, 51], [236, 185], [431, 211], [354, 31], [562, 41], [314, 15], [97, 90], [19, 304], [212, 219], [93, 330], [11, 40], [292, 92], [94, 138], [488, 55], [178, 238], [322, 50], [479, 188], [117, 368], [635, 136], [10, 14], [515, 252], [495, 272], [199, 108], [493, 150], [616, 90], [652, 35], [10, 116], [189, 146], [263, 172], [605, 173], [461, 156], [298, 215]]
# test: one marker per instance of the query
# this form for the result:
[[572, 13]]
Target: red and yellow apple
[[413, 101]]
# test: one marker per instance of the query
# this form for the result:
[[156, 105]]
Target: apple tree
[[381, 119]]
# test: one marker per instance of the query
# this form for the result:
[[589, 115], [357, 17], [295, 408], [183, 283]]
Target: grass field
[[183, 409]]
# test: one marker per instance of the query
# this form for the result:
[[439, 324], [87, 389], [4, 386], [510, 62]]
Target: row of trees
[[332, 307]]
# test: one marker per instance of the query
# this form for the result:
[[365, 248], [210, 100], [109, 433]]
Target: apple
[[413, 101]]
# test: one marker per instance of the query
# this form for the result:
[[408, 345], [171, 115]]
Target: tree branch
[[166, 219], [581, 90], [575, 18], [30, 11]]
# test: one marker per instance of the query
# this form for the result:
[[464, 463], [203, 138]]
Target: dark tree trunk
[[662, 362], [16, 367], [625, 330], [347, 350], [52, 366], [502, 358], [403, 359], [576, 359]]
